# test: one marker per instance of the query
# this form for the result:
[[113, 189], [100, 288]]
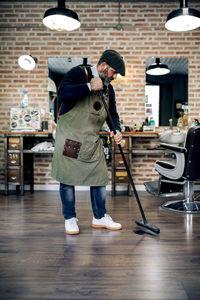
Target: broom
[[144, 223]]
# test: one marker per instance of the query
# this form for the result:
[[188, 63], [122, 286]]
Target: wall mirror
[[57, 68], [166, 94]]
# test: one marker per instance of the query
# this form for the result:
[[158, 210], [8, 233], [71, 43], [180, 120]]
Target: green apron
[[78, 156]]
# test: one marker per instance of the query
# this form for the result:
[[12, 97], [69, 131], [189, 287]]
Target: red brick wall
[[143, 36]]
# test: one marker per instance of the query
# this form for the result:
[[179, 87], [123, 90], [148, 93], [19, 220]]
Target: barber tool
[[144, 223]]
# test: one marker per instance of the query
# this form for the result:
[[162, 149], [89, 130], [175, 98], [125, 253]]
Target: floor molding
[[55, 187]]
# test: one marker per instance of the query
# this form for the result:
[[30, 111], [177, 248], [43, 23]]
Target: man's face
[[107, 73]]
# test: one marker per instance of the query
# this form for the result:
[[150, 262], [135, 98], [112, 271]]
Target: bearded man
[[78, 158]]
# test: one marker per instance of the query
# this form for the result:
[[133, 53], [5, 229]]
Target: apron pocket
[[71, 148], [88, 148]]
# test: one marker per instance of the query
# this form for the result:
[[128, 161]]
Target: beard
[[104, 76]]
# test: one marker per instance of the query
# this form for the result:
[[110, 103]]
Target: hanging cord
[[119, 25]]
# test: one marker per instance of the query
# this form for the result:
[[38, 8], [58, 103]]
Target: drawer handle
[[13, 177], [13, 161], [13, 145], [121, 178]]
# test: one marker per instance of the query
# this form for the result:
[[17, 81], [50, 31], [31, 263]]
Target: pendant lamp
[[27, 62], [61, 18], [183, 19], [157, 68]]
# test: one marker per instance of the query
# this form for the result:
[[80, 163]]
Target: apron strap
[[86, 73], [87, 80]]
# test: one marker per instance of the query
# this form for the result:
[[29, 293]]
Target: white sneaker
[[71, 226], [106, 222]]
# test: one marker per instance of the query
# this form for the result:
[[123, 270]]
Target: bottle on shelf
[[132, 125], [135, 128], [122, 125], [152, 124], [24, 102], [193, 124]]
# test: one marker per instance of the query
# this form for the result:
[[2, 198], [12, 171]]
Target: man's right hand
[[96, 84]]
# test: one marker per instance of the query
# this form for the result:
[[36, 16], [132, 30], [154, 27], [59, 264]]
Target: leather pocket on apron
[[71, 148], [88, 149]]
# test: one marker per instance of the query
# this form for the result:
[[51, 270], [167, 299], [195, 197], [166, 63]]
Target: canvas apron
[[78, 156]]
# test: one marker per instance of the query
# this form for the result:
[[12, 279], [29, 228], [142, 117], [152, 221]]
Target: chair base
[[190, 205], [182, 206], [163, 189]]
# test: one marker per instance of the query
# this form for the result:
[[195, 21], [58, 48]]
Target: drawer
[[14, 175], [121, 177], [119, 160], [14, 143], [124, 144], [13, 159]]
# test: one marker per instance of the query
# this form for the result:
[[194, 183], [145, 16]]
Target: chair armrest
[[174, 148]]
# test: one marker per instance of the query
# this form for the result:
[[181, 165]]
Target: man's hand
[[117, 136], [96, 84]]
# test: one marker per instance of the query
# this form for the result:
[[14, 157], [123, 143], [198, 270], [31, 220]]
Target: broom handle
[[124, 159]]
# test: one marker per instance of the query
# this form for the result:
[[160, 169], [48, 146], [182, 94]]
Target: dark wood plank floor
[[39, 261]]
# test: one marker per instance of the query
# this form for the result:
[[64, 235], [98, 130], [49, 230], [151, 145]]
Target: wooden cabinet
[[19, 158], [119, 173], [13, 159], [13, 171]]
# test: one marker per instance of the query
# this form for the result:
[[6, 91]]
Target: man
[[78, 157]]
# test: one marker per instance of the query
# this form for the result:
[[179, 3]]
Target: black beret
[[114, 60]]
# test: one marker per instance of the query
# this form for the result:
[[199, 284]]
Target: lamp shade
[[183, 19], [61, 18], [157, 68], [27, 62]]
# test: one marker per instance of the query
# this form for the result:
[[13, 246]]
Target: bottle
[[25, 99], [152, 124], [122, 126]]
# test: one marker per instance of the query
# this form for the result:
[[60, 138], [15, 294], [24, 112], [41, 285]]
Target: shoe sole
[[106, 227], [72, 232]]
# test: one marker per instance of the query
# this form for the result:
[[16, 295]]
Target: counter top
[[135, 134], [124, 133], [28, 133]]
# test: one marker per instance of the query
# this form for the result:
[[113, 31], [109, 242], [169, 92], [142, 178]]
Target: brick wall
[[143, 36]]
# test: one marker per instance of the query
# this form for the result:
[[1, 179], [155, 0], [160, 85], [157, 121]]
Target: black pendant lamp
[[61, 18], [157, 68], [183, 19]]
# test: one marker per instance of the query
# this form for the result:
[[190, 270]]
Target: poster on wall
[[26, 119]]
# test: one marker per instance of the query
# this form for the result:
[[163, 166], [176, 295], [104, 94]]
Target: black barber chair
[[178, 176]]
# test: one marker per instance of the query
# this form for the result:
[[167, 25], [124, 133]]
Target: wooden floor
[[39, 261]]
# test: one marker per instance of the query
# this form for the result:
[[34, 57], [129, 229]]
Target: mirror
[[58, 67], [166, 94]]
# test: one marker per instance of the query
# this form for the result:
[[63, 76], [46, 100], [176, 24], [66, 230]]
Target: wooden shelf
[[38, 152]]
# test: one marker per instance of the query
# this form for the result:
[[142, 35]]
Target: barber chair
[[177, 176]]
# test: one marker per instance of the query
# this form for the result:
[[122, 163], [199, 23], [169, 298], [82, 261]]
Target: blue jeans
[[97, 195]]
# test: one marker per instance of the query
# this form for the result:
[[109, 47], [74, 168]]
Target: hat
[[114, 60]]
